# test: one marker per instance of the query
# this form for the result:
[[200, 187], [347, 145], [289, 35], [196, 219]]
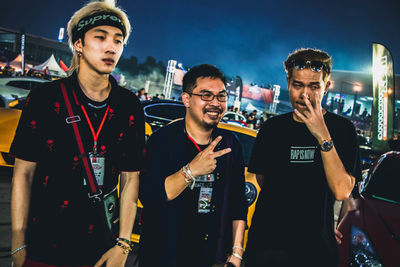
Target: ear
[[185, 99], [327, 85], [78, 45]]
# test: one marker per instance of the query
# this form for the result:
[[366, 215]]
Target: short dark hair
[[200, 71], [308, 54]]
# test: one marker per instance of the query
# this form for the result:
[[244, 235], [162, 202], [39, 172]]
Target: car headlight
[[251, 193], [362, 253]]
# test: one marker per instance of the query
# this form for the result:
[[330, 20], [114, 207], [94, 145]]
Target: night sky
[[246, 38]]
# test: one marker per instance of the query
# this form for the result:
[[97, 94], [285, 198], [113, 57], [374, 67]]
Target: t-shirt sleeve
[[348, 149], [28, 136], [132, 146], [258, 155]]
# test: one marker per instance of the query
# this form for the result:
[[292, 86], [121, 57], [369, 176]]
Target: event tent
[[16, 64], [54, 68]]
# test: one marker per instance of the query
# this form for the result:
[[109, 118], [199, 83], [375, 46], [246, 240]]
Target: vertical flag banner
[[23, 51], [383, 93]]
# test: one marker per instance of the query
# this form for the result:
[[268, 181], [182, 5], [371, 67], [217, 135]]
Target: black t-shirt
[[62, 226], [195, 225], [295, 205]]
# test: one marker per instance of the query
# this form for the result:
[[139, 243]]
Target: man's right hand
[[205, 162]]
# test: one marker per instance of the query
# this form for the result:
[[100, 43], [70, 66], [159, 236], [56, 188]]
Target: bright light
[[370, 98], [390, 91], [357, 88], [379, 69]]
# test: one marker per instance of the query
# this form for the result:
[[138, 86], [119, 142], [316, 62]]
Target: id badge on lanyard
[[96, 159], [98, 164], [205, 199]]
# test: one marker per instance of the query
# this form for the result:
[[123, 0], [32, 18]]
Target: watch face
[[326, 145]]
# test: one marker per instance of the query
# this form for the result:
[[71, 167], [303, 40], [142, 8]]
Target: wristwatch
[[326, 145]]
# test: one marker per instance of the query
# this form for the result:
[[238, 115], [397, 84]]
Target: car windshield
[[384, 183], [27, 85], [247, 143], [165, 111]]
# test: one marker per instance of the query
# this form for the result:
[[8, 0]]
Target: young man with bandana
[[193, 185], [54, 223], [303, 161]]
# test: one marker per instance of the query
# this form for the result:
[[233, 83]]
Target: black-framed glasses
[[206, 96], [314, 65]]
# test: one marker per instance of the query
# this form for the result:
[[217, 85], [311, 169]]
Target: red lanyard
[[191, 139], [95, 135]]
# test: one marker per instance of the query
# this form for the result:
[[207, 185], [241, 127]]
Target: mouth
[[108, 61], [213, 113], [301, 104]]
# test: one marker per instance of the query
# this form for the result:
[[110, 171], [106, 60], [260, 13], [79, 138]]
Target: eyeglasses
[[222, 97], [314, 65]]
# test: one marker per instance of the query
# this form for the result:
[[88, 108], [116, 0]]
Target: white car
[[234, 118], [16, 87]]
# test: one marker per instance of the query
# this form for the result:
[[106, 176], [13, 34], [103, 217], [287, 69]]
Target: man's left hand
[[313, 117], [235, 261], [114, 257]]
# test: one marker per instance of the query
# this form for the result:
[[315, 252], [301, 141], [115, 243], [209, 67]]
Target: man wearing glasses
[[193, 187], [303, 160]]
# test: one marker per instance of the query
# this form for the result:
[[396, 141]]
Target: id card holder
[[98, 164], [205, 199]]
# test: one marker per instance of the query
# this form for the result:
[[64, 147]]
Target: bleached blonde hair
[[90, 9]]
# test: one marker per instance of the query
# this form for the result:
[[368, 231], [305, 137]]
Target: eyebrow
[[208, 91], [311, 83]]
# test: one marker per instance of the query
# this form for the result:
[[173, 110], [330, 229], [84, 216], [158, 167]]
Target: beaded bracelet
[[236, 246], [18, 249], [130, 243], [124, 247]]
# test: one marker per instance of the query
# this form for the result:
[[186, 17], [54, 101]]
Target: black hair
[[201, 71]]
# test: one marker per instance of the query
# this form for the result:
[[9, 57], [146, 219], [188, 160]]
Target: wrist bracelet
[[188, 173], [18, 249], [130, 243], [239, 247], [234, 254], [187, 180], [124, 247]]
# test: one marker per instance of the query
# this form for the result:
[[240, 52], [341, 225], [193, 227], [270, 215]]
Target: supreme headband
[[94, 20]]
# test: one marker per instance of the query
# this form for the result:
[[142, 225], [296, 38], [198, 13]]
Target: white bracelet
[[18, 249], [190, 174], [239, 247], [234, 254]]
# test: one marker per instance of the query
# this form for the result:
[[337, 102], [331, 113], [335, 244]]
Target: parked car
[[371, 232], [234, 118], [16, 87]]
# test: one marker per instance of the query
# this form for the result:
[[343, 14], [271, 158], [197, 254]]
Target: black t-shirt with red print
[[62, 223]]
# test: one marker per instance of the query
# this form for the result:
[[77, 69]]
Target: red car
[[371, 232]]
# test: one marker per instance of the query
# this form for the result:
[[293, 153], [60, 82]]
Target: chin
[[210, 124]]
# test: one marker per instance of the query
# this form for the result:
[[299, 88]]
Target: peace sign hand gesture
[[205, 162], [314, 119]]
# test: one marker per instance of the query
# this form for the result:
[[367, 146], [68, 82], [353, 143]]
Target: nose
[[306, 91], [110, 46]]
